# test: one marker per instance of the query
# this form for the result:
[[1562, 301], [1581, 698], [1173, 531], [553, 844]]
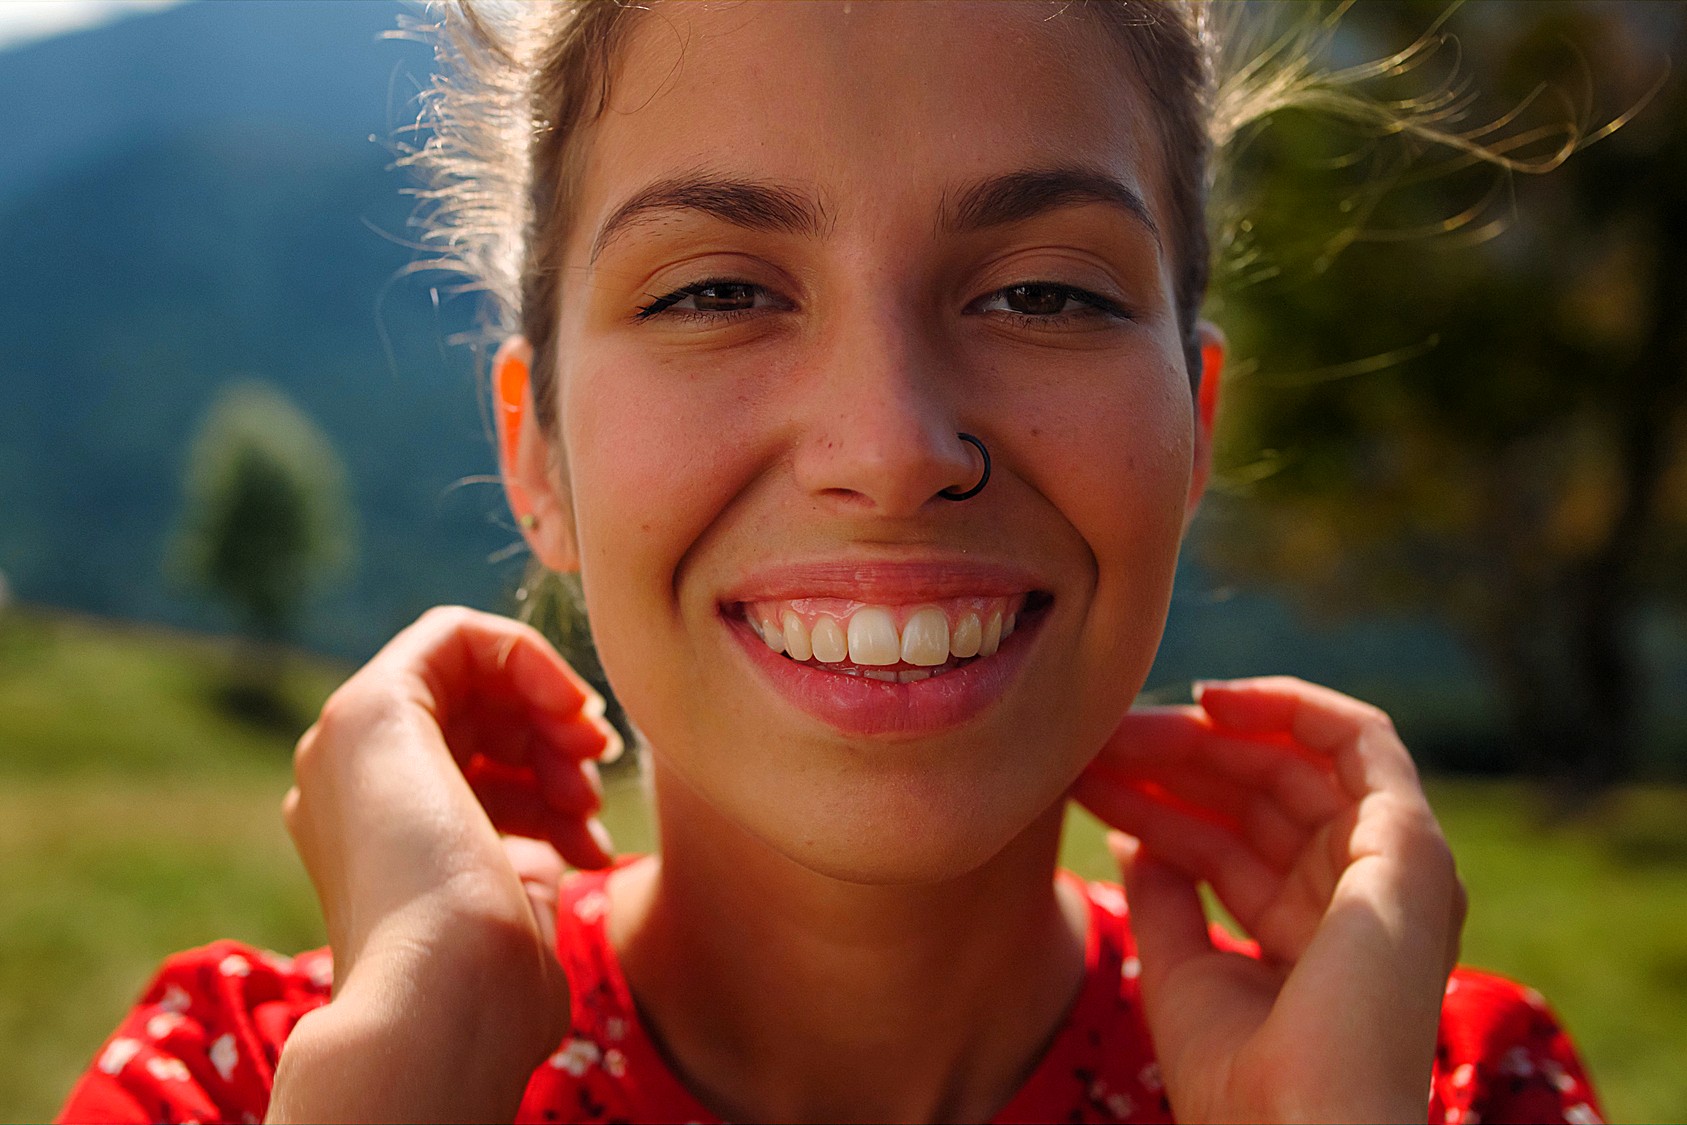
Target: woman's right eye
[[710, 299]]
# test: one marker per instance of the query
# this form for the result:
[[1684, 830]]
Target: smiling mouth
[[890, 643]]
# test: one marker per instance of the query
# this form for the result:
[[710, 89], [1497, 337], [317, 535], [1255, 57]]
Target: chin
[[897, 832]]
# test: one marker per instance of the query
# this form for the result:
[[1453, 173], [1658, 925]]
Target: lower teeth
[[906, 676]]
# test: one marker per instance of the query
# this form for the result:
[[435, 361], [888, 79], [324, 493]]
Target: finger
[[492, 732], [1166, 743], [534, 861], [1178, 733], [1276, 813], [1369, 756], [1258, 817], [519, 737], [451, 650], [516, 809], [511, 653], [580, 736], [1167, 919], [1385, 935], [540, 870], [1197, 848], [568, 785]]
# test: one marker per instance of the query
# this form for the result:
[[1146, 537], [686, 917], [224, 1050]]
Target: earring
[[528, 521], [983, 477]]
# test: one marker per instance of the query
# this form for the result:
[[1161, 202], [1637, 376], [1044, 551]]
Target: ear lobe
[[537, 495], [1206, 411]]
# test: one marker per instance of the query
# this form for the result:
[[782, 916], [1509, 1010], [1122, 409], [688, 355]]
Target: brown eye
[[724, 297], [709, 300], [1037, 300], [1049, 304]]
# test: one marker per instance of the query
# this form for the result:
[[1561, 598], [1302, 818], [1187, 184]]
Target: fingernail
[[1199, 687], [1123, 846], [600, 835], [613, 746]]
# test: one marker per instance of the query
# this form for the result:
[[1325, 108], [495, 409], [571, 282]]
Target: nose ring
[[983, 479]]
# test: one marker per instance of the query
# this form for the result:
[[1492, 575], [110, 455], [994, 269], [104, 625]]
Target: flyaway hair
[[515, 80]]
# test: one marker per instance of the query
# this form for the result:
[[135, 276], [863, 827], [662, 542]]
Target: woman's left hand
[[1302, 810]]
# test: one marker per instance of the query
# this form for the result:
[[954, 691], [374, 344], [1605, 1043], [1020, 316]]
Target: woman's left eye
[[710, 298], [1044, 300]]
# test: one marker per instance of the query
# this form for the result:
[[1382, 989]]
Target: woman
[[855, 364]]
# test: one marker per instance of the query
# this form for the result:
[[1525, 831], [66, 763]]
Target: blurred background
[[240, 447]]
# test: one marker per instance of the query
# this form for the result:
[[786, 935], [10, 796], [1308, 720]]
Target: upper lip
[[884, 582]]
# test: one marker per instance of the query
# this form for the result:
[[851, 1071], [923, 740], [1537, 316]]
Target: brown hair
[[516, 85], [515, 89]]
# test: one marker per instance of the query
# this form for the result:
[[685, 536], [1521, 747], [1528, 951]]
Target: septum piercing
[[984, 477]]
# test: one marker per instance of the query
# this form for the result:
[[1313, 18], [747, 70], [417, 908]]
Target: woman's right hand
[[447, 992]]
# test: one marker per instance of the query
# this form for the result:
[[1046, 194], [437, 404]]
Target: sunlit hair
[[516, 82]]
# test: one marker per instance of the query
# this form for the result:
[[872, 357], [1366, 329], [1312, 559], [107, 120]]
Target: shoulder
[[1503, 1055], [202, 1042], [607, 1069]]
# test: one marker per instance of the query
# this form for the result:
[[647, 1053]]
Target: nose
[[883, 419]]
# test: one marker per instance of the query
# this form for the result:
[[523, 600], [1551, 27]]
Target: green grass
[[136, 818]]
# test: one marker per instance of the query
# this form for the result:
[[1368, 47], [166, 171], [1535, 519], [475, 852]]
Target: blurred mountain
[[203, 194], [324, 66]]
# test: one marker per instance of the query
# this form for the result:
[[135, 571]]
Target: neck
[[781, 994]]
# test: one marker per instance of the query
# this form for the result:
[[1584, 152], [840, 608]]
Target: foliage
[[1471, 389], [554, 604], [266, 517]]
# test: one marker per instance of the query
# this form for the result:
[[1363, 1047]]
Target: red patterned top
[[203, 1042]]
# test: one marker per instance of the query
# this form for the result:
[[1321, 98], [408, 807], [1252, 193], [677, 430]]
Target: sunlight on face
[[815, 242]]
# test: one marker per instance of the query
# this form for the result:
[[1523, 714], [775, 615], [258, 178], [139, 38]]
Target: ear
[[1206, 412], [534, 481]]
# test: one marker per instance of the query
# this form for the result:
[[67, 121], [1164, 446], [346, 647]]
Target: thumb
[[540, 870], [1167, 918]]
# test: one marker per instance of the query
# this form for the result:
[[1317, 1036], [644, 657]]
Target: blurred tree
[[553, 604], [1471, 391], [266, 516]]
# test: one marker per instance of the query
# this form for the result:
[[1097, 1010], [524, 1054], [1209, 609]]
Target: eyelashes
[[1048, 301], [1041, 304], [712, 298]]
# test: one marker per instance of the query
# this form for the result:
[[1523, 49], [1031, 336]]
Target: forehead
[[858, 102]]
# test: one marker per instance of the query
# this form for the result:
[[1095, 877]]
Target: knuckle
[[1377, 718], [1426, 849], [305, 752], [337, 712], [350, 710], [445, 617]]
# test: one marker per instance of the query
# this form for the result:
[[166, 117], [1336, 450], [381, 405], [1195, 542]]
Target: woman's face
[[814, 243]]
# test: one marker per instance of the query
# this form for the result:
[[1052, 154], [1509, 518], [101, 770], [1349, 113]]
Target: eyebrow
[[996, 201], [743, 203], [1017, 196]]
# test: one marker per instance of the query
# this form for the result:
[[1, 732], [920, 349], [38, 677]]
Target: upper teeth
[[832, 631]]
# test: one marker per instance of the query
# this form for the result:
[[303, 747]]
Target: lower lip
[[857, 705]]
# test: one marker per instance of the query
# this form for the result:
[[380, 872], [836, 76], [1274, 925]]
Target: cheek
[[654, 458], [1116, 462], [649, 457]]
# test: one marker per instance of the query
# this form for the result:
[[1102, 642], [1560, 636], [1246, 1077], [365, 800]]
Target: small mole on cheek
[[644, 527], [1036, 431]]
